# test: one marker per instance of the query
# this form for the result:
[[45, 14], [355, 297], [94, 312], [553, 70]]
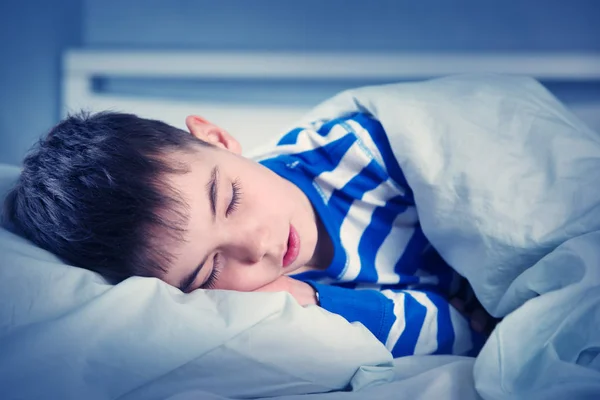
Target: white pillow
[[66, 333]]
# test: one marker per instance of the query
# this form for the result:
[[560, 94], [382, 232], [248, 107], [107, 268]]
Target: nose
[[251, 245]]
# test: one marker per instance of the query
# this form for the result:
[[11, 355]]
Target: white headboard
[[254, 123]]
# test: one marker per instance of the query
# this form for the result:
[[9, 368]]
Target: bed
[[67, 333], [256, 96]]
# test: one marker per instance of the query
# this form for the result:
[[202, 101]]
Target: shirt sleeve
[[407, 322]]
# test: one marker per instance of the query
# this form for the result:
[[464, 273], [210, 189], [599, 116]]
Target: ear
[[211, 133]]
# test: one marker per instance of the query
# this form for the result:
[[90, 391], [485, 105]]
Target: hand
[[481, 321], [301, 291]]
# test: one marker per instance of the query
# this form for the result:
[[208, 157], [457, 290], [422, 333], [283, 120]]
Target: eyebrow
[[211, 191]]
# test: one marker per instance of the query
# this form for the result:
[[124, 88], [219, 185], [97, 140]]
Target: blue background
[[34, 33]]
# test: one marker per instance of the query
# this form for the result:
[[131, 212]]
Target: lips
[[293, 247]]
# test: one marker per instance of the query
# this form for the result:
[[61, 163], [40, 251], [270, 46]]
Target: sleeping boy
[[325, 215]]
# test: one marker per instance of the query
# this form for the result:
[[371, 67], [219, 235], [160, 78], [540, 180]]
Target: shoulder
[[321, 135], [320, 132], [358, 123]]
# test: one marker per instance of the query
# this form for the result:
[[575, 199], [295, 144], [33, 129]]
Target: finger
[[479, 320], [458, 304], [278, 285], [270, 287]]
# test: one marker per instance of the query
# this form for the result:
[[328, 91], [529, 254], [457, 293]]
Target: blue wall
[[475, 25], [34, 33]]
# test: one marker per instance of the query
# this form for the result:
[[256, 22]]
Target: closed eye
[[235, 197], [214, 274]]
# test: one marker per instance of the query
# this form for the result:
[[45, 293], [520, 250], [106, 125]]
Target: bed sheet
[[416, 378]]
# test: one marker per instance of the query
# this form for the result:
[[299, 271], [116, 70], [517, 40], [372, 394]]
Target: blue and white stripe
[[347, 169]]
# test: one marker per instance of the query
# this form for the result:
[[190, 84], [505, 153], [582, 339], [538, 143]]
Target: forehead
[[189, 185], [202, 167], [190, 190]]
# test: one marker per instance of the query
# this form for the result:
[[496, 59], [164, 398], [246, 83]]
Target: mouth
[[293, 247]]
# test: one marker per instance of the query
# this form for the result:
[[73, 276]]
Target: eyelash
[[235, 198], [214, 274]]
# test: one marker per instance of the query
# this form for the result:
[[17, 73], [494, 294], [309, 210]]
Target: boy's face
[[247, 227]]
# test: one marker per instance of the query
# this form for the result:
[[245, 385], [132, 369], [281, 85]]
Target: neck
[[324, 249]]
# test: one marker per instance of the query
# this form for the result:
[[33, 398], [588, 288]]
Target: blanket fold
[[507, 186]]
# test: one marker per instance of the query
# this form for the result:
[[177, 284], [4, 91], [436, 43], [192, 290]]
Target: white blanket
[[507, 187]]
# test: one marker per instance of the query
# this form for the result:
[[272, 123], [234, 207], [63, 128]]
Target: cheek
[[245, 278]]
